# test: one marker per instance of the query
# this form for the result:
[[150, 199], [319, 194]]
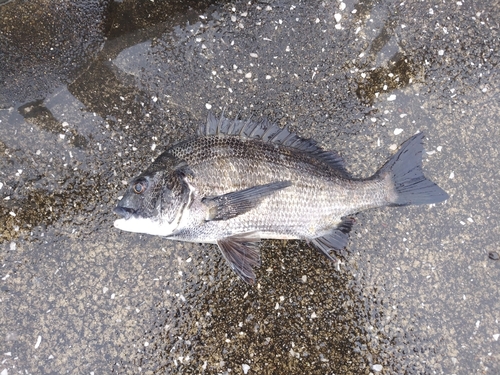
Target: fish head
[[154, 201]]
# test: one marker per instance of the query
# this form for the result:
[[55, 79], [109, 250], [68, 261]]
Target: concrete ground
[[90, 94]]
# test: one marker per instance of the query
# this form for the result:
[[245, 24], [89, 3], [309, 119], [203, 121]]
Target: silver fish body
[[239, 182]]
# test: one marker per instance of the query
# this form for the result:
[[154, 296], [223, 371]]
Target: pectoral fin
[[232, 204], [335, 240], [242, 253]]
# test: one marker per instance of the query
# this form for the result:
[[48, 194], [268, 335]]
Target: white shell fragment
[[377, 368], [391, 98], [245, 368], [38, 341], [398, 131]]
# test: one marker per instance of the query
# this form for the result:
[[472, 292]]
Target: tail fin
[[404, 168]]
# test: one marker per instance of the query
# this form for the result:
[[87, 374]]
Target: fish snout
[[124, 212]]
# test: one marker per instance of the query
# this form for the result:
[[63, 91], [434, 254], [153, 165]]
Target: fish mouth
[[124, 212]]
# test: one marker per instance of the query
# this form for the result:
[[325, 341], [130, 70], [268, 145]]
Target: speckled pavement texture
[[90, 94]]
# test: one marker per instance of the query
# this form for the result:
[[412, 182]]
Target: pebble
[[38, 341], [377, 368], [493, 255]]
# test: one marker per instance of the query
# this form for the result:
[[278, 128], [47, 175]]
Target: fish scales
[[239, 182], [317, 198]]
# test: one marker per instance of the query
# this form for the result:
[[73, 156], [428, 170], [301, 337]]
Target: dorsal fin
[[267, 131]]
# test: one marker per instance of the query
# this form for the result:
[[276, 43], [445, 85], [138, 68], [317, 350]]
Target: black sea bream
[[238, 182]]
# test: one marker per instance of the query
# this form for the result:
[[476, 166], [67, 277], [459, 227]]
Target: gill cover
[[155, 200]]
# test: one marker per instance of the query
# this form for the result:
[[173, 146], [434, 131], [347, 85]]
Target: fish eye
[[140, 187]]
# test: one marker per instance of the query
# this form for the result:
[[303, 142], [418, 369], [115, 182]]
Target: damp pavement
[[90, 94]]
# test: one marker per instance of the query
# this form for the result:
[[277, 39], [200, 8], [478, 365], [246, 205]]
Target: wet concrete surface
[[417, 291]]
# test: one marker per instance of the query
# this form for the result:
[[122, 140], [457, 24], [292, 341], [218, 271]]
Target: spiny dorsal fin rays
[[219, 123], [254, 131], [241, 131], [267, 131], [205, 130], [277, 138], [233, 124]]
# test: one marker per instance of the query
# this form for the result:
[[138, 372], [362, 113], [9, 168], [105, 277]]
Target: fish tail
[[404, 174]]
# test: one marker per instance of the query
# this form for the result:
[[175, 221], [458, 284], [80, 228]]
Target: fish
[[238, 182]]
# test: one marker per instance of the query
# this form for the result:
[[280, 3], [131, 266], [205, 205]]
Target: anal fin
[[243, 255], [335, 240]]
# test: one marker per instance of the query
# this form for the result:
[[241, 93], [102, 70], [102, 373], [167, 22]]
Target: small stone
[[245, 368], [493, 255], [377, 368], [38, 341], [398, 131]]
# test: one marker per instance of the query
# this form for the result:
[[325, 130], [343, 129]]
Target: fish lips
[[124, 212]]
